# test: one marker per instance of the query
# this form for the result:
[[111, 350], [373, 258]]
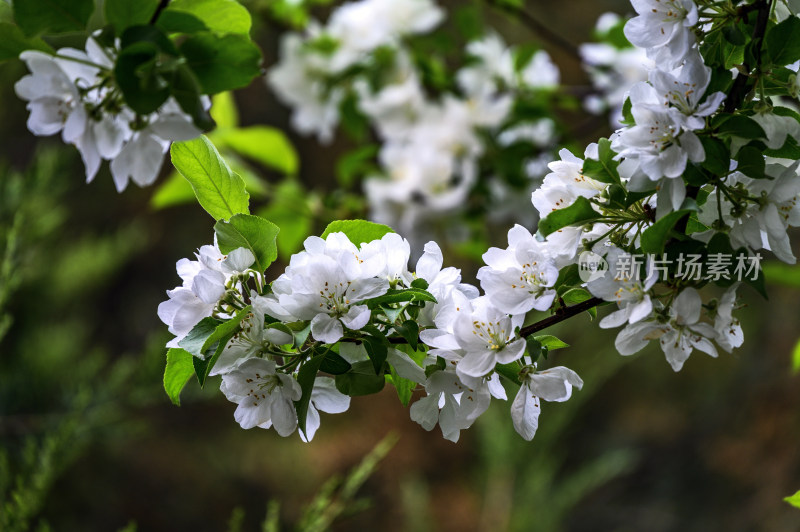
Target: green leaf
[[140, 77], [718, 156], [734, 35], [221, 16], [627, 113], [210, 331], [306, 377], [403, 387], [604, 169], [223, 110], [251, 232], [732, 56], [794, 500], [202, 367], [655, 237], [509, 371], [266, 145], [221, 63], [220, 192], [356, 163], [751, 162], [334, 364], [420, 283], [14, 42], [534, 348], [410, 331], [737, 126], [35, 17], [195, 342], [579, 212], [186, 91], [179, 22], [377, 351], [576, 295], [796, 359], [360, 380], [550, 342], [782, 43], [400, 296], [122, 14], [177, 373], [358, 231]]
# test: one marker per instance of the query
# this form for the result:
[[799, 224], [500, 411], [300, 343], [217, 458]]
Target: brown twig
[[538, 28]]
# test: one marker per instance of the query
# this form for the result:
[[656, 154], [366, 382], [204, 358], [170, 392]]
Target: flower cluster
[[432, 138], [352, 299], [74, 92]]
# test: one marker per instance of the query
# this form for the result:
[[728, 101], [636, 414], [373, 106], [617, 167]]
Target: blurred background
[[89, 441]]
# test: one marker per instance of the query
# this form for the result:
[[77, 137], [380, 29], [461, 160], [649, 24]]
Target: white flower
[[663, 27], [395, 252], [729, 330], [142, 155], [203, 286], [762, 225], [454, 401], [679, 336], [494, 62], [324, 398], [540, 72], [622, 284], [553, 384], [298, 81], [519, 278], [360, 27], [777, 128], [657, 140], [442, 283], [324, 284], [265, 397], [254, 339], [476, 335], [613, 72], [684, 88], [566, 181], [540, 133], [68, 94]]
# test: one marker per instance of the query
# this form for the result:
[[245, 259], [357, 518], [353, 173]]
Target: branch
[[539, 28], [562, 314], [162, 5]]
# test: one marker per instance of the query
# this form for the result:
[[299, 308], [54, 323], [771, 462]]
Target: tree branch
[[562, 314], [538, 28], [162, 5]]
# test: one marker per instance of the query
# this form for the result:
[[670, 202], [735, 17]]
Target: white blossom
[[519, 278], [553, 384], [678, 336], [265, 397]]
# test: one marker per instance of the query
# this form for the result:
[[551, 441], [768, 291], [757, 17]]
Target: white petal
[[326, 329], [525, 413]]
